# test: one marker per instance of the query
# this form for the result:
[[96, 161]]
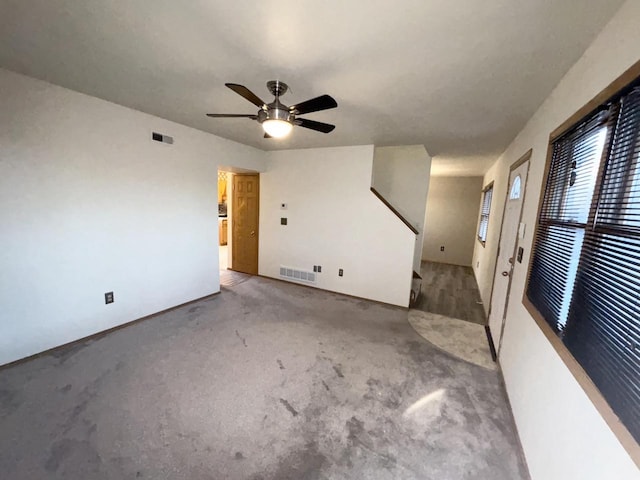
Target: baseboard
[[98, 335], [446, 263], [333, 291], [492, 347]]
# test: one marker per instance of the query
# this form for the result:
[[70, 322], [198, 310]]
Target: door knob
[[253, 233], [505, 274]]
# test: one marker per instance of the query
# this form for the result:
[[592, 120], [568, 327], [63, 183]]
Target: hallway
[[450, 290]]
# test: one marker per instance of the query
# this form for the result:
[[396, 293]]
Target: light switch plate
[[521, 230]]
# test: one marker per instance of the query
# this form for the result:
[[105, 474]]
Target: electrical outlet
[[283, 221], [283, 206], [442, 248], [108, 297], [319, 268], [315, 268], [340, 272]]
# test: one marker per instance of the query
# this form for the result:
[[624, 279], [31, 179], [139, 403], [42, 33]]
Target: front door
[[507, 250], [244, 230]]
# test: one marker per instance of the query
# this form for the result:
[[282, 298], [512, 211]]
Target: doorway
[[511, 232], [238, 221], [223, 219]]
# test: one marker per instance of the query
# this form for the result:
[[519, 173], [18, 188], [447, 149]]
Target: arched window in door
[[514, 194]]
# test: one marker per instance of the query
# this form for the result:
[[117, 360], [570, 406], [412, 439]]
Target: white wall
[[484, 257], [401, 176], [335, 221], [452, 215], [562, 433], [89, 204]]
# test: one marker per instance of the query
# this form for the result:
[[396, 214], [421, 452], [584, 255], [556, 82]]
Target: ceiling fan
[[277, 119]]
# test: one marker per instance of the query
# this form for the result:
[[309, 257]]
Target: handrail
[[397, 213]]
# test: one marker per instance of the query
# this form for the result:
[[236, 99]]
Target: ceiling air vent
[[297, 275]]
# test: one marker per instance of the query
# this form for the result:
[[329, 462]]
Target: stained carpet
[[266, 381]]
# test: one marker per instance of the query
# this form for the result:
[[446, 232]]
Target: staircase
[[400, 180]]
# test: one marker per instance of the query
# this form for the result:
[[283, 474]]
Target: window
[[584, 277], [514, 194], [484, 213]]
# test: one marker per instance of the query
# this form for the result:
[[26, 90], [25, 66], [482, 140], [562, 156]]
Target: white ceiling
[[460, 77]]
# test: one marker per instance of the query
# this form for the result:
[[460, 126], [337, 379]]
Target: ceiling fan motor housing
[[275, 111], [277, 88]]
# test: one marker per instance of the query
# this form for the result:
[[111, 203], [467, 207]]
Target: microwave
[[222, 209]]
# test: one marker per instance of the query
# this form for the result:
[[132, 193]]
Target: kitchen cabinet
[[223, 231]]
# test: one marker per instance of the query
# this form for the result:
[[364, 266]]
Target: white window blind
[[484, 214]]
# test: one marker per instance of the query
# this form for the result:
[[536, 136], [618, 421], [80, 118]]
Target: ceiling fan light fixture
[[277, 119], [277, 128]]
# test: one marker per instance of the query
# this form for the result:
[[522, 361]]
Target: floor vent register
[[297, 275]]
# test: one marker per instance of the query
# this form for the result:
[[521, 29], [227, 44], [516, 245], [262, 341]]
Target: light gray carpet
[[265, 381]]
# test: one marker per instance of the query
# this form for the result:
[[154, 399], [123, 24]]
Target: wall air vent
[[297, 275], [158, 137]]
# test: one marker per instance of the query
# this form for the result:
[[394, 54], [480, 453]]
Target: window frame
[[593, 393], [487, 188]]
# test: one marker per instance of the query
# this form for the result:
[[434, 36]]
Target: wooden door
[[244, 223]]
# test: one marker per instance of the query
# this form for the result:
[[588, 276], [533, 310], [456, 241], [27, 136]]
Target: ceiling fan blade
[[246, 93], [323, 102], [232, 115], [313, 125]]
